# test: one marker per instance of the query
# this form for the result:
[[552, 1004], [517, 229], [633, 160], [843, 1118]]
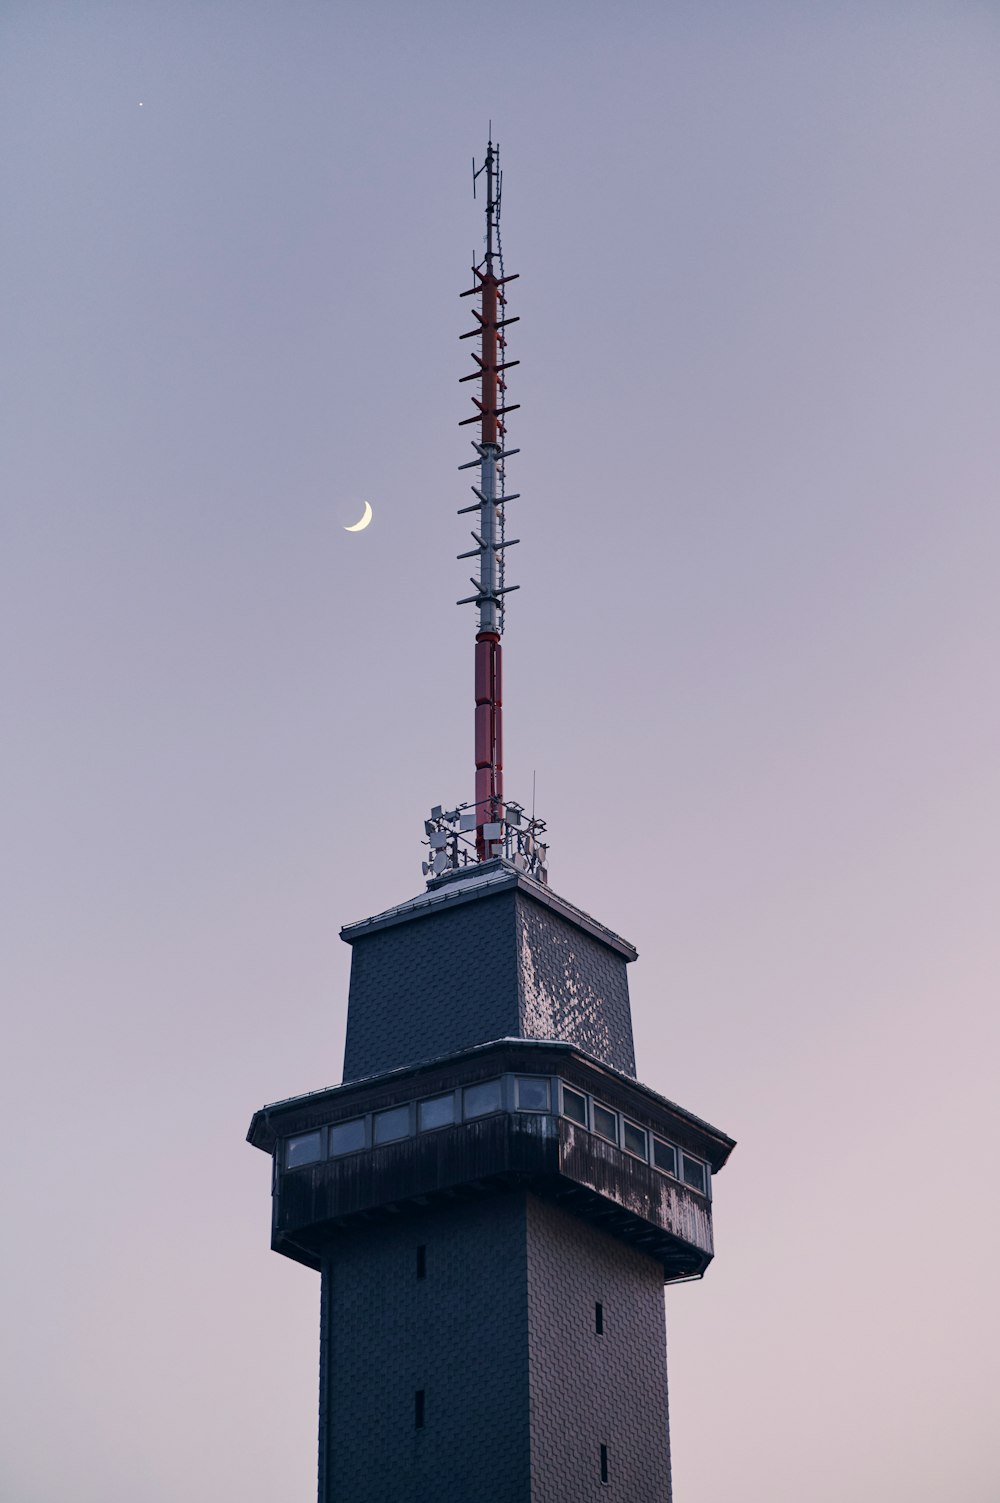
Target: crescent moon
[[360, 526]]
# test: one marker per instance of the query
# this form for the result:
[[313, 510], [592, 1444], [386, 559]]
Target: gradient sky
[[753, 663]]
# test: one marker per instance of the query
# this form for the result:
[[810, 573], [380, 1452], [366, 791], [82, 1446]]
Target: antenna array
[[451, 836], [488, 828]]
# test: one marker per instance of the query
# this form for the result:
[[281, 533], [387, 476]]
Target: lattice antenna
[[488, 828], [491, 498]]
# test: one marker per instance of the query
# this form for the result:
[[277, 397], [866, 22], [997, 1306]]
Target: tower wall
[[459, 1334], [499, 965], [588, 1389], [520, 1391]]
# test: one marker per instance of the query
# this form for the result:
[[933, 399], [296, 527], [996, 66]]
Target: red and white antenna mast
[[490, 541], [501, 829]]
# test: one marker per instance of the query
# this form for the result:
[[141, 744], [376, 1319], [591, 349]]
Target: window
[[599, 1318], [481, 1099], [694, 1173], [634, 1139], [665, 1157], [303, 1150], [422, 1261], [437, 1111], [574, 1106], [605, 1123], [392, 1125], [347, 1137], [418, 1409], [604, 1463], [532, 1095]]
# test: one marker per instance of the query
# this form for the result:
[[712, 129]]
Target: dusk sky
[[752, 666]]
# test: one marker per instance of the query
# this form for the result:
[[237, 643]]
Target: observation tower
[[491, 1198]]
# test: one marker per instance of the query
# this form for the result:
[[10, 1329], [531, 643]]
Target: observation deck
[[533, 1114]]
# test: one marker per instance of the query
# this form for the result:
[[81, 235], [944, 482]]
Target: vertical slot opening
[[599, 1318], [418, 1409], [421, 1261], [604, 1463]]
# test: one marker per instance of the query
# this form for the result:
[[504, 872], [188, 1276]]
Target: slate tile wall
[[501, 966], [520, 1391], [588, 1389], [459, 1334], [439, 983], [572, 987]]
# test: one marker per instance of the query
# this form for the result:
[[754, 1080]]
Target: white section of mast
[[489, 568]]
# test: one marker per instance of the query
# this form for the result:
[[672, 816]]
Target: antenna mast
[[490, 540], [489, 828]]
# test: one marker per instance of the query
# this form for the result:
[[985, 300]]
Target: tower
[[491, 1198]]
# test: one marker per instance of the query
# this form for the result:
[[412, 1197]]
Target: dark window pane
[[480, 1099], [392, 1125], [347, 1137], [634, 1139], [532, 1095], [605, 1123], [439, 1111], [303, 1150], [694, 1173], [574, 1106], [664, 1157]]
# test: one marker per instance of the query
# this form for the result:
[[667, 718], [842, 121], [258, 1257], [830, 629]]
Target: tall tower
[[492, 1200]]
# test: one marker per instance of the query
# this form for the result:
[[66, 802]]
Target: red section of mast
[[489, 736]]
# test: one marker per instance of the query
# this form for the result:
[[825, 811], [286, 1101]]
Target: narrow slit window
[[604, 1463], [599, 1318], [422, 1261], [418, 1409]]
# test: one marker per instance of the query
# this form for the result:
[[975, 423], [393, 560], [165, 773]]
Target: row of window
[[615, 1128], [523, 1093], [532, 1094]]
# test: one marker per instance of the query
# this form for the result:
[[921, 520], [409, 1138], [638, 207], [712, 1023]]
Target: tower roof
[[485, 880]]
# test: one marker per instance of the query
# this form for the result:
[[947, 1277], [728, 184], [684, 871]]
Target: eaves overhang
[[271, 1122], [474, 883]]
